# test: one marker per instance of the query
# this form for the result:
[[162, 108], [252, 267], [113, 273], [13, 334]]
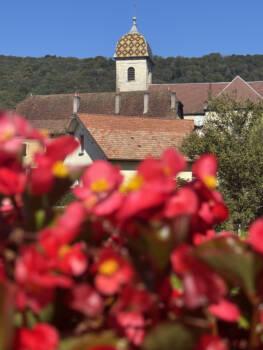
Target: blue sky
[[87, 28]]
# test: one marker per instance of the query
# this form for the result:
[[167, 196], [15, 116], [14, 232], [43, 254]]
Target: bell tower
[[133, 58]]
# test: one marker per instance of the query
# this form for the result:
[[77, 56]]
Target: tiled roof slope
[[43, 109], [241, 90], [194, 96], [132, 138]]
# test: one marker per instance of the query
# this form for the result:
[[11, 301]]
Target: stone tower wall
[[143, 75]]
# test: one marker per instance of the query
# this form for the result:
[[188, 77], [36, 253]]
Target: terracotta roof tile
[[194, 96], [241, 90], [54, 107], [132, 138]]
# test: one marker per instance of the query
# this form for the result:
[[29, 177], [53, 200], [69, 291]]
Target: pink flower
[[12, 177], [112, 272], [225, 310], [36, 280], [205, 168], [49, 165], [99, 190], [41, 337], [133, 324], [13, 131], [183, 202], [86, 299], [201, 285], [151, 185], [211, 342]]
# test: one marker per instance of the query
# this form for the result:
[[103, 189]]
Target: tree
[[233, 132]]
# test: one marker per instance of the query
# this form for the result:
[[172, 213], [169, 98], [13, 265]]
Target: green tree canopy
[[233, 132]]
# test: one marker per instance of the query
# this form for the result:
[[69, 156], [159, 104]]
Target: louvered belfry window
[[131, 74]]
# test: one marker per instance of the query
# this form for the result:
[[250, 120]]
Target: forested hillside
[[20, 77]]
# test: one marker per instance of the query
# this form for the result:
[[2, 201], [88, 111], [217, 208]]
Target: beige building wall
[[143, 75], [31, 146]]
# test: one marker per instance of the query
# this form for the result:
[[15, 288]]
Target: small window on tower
[[131, 74]]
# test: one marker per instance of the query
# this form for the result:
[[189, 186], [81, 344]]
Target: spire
[[134, 29]]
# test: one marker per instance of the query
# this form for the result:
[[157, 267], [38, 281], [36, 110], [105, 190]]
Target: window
[[24, 151], [131, 74], [81, 141]]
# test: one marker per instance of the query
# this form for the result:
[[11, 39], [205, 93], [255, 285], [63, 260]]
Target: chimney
[[76, 103], [117, 102], [146, 103], [173, 100]]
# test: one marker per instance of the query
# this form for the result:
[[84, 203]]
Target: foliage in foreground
[[132, 265], [233, 132]]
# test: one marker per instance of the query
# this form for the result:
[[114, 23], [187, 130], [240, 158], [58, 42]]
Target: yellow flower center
[[108, 267], [6, 135], [133, 184], [210, 181], [60, 169], [167, 170], [100, 185], [44, 132], [64, 250]]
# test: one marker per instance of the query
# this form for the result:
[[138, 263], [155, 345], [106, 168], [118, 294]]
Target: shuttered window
[[131, 74]]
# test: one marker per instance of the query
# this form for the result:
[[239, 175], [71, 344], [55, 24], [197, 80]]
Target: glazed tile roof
[[133, 44], [131, 138], [194, 96]]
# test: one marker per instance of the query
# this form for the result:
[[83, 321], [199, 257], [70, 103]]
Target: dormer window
[[131, 74]]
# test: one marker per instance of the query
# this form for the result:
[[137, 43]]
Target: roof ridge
[[246, 83], [203, 83], [130, 117]]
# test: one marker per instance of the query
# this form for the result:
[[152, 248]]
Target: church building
[[139, 119]]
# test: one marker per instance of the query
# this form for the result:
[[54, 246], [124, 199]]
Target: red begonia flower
[[99, 190], [85, 299], [71, 259], [199, 238], [205, 168], [41, 337], [112, 272], [13, 131], [132, 323], [36, 277], [12, 178], [201, 285], [225, 310], [151, 185], [49, 165], [184, 202], [211, 342], [65, 230], [255, 237]]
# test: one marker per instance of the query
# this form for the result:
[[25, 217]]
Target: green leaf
[[90, 340], [233, 260], [170, 336], [31, 319], [176, 282], [47, 313], [243, 323], [40, 218]]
